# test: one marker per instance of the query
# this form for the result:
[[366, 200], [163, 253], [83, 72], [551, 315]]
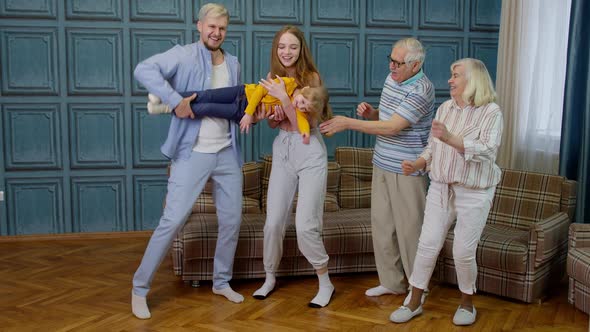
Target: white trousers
[[444, 204], [303, 168]]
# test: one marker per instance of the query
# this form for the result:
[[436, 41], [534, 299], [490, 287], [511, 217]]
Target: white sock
[[378, 291], [154, 99], [158, 108], [229, 294], [325, 292], [139, 306], [269, 284]]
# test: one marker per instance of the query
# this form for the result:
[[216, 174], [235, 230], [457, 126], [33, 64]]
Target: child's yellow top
[[267, 100], [256, 94]]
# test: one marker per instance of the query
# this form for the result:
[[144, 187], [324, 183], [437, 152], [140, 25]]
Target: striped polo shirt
[[413, 100]]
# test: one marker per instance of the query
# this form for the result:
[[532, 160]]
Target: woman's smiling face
[[288, 50]]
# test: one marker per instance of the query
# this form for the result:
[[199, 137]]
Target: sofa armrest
[[549, 236], [579, 236]]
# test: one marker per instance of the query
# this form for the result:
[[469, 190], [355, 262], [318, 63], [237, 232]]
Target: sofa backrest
[[356, 172], [523, 198]]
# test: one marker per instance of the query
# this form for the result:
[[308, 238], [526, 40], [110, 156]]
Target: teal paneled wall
[[81, 154]]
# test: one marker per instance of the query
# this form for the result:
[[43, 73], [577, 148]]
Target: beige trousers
[[397, 211]]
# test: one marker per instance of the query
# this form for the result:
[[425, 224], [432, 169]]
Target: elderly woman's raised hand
[[439, 130]]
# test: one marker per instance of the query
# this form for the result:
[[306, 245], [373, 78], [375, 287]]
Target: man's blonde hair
[[480, 88], [213, 10]]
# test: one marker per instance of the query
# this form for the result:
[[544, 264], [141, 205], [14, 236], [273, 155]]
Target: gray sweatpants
[[303, 168]]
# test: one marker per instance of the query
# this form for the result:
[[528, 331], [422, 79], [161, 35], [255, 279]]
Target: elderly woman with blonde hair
[[460, 157]]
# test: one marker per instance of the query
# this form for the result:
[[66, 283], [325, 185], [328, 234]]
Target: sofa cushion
[[524, 197], [344, 232], [251, 192], [332, 186], [578, 264], [500, 247], [356, 171]]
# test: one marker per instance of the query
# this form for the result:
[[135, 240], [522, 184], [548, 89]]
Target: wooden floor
[[84, 284]]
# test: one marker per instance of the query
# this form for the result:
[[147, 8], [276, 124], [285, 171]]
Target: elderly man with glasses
[[402, 124]]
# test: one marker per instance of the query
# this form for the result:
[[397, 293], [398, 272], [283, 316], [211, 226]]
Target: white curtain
[[530, 82]]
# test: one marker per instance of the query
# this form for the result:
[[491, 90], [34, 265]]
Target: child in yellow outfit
[[236, 103]]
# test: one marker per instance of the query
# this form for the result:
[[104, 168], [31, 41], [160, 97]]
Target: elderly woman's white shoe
[[404, 314], [464, 317]]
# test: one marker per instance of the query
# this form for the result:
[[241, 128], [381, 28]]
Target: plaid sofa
[[523, 247], [346, 229], [578, 266]]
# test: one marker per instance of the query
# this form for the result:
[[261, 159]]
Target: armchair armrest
[[579, 236], [548, 237]]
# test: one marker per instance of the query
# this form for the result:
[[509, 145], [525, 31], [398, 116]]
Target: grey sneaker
[[464, 317], [404, 314]]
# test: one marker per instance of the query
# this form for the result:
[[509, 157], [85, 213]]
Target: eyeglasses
[[396, 64]]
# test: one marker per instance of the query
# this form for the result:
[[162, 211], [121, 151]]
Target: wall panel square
[[335, 12], [96, 136], [337, 59], [95, 59], [28, 8], [94, 10], [35, 206], [390, 13], [441, 14], [485, 15], [32, 136], [29, 61], [98, 204], [157, 10], [278, 11]]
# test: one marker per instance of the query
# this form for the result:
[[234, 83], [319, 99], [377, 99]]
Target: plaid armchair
[[523, 246], [578, 266]]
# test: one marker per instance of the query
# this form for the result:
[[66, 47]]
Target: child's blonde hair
[[319, 100]]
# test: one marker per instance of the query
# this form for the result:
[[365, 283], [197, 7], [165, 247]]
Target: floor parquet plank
[[84, 284]]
